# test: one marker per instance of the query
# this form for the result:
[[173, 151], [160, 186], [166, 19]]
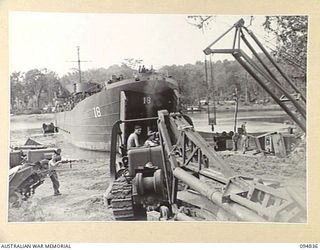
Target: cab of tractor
[[138, 176]]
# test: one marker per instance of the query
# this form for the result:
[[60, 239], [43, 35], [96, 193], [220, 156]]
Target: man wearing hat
[[152, 140], [53, 164], [133, 140]]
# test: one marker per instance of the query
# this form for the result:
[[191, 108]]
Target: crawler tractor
[[183, 178]]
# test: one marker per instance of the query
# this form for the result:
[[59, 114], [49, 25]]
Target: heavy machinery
[[24, 179], [266, 76], [183, 178], [28, 169]]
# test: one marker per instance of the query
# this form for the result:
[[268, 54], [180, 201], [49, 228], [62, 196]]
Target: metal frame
[[246, 198], [262, 75]]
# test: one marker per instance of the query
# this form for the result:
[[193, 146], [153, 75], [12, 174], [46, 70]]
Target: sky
[[49, 40]]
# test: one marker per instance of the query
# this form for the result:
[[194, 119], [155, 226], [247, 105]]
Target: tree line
[[196, 84], [37, 88]]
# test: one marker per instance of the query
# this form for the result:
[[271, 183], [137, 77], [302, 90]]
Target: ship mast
[[79, 61]]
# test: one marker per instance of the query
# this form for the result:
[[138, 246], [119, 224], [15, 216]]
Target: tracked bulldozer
[[183, 178]]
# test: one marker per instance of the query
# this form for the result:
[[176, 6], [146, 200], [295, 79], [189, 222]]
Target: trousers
[[55, 181]]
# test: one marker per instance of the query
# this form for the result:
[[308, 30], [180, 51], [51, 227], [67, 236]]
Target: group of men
[[133, 140]]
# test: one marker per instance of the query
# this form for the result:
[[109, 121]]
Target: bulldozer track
[[122, 204]]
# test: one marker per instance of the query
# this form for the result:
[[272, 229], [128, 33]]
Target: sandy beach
[[84, 184]]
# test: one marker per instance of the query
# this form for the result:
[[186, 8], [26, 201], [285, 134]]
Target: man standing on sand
[[53, 164], [235, 139], [244, 138], [133, 140], [244, 128]]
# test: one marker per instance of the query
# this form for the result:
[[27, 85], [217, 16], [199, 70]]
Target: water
[[23, 127], [257, 121]]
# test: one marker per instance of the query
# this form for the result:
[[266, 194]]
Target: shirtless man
[[133, 140]]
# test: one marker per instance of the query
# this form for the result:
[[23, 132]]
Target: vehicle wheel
[[15, 199]]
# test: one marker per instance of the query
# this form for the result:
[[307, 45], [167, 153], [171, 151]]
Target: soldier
[[244, 128], [235, 139], [53, 164], [244, 138], [143, 70]]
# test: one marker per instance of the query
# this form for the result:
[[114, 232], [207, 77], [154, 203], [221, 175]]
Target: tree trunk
[[38, 98]]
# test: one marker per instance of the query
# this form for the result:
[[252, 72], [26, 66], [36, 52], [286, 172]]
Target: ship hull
[[88, 125], [86, 129]]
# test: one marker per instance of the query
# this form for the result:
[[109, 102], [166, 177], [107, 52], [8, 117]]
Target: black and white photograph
[[157, 117]]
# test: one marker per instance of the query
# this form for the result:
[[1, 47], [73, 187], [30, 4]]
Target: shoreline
[[219, 109], [242, 108], [83, 186]]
